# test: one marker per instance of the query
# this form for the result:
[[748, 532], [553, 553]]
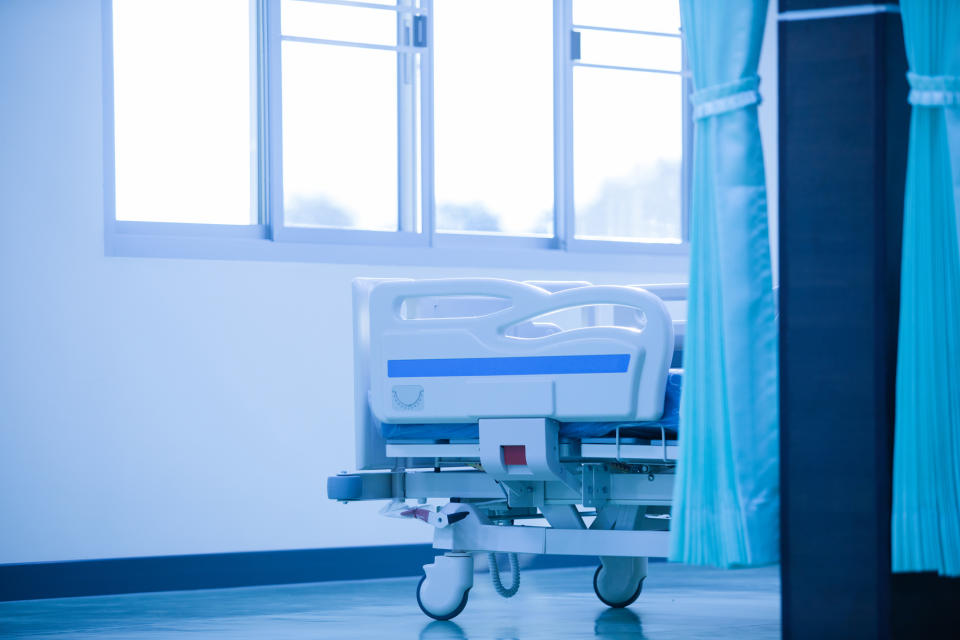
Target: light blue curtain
[[726, 499], [926, 461]]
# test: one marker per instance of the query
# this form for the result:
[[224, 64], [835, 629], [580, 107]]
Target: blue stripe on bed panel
[[512, 366]]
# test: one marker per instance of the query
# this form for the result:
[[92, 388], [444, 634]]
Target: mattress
[[669, 422]]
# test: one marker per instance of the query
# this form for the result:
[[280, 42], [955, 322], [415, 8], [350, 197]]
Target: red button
[[514, 454]]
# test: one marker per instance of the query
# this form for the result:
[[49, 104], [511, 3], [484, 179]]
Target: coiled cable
[[495, 575]]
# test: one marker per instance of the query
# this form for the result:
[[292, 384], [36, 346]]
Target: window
[[493, 78], [183, 111], [628, 120], [557, 125], [340, 95]]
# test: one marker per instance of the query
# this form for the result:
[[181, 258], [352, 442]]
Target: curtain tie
[[933, 91], [729, 96]]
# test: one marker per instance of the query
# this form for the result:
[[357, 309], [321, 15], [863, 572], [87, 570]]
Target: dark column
[[844, 126], [843, 139]]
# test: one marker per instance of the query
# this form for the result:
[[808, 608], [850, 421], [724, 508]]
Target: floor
[[678, 602]]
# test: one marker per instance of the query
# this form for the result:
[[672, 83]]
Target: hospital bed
[[541, 415]]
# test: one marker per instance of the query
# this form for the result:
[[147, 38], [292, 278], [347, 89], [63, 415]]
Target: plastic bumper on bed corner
[[344, 487]]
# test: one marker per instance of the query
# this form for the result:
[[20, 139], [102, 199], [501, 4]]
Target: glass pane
[[628, 142], [494, 126], [182, 122], [631, 50], [646, 15], [339, 136], [338, 22]]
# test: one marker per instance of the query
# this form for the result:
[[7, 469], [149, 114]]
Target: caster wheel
[[441, 612], [617, 601]]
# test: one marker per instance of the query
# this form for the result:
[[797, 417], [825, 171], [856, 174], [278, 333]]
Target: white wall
[[160, 406]]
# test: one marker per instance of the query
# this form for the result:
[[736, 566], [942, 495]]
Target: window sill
[[224, 242]]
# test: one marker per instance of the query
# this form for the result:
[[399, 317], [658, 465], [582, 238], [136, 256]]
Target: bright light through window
[[183, 88], [638, 15], [339, 136], [628, 122], [627, 160], [340, 167], [493, 63]]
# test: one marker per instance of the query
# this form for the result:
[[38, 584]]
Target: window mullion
[[406, 125], [428, 194], [269, 118], [260, 126], [563, 123]]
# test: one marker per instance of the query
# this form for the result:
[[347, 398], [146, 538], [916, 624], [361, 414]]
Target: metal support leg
[[563, 516]]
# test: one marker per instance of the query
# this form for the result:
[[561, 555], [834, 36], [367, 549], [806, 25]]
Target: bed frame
[[517, 359]]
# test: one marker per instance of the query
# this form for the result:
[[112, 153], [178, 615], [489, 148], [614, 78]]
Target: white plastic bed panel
[[445, 319], [440, 370]]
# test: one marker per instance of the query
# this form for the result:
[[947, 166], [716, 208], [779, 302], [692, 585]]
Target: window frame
[[270, 239]]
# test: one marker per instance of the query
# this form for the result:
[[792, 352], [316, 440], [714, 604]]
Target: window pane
[[494, 125], [628, 145], [338, 22], [339, 136], [183, 126], [631, 50], [645, 15]]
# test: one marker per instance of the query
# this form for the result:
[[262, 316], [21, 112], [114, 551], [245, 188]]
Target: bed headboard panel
[[456, 350], [460, 369]]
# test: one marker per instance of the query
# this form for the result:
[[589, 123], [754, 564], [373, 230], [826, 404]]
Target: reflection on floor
[[677, 602]]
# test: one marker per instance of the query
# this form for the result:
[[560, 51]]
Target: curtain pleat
[[726, 501], [926, 467]]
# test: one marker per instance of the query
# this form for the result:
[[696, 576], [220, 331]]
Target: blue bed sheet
[[575, 430]]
